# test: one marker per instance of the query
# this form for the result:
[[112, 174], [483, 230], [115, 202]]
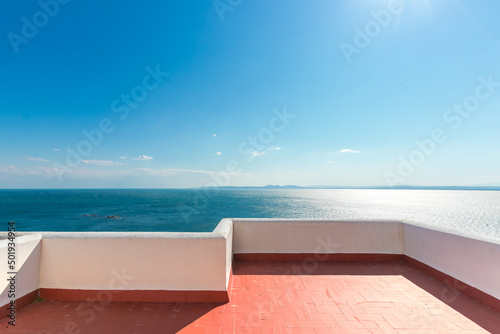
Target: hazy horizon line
[[400, 187]]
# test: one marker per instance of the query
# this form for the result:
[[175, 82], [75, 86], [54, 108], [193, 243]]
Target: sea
[[475, 213]]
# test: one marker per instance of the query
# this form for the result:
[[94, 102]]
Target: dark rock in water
[[92, 215], [114, 217]]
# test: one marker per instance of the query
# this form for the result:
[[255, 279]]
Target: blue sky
[[197, 93]]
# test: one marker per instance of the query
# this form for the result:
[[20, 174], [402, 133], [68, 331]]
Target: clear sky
[[195, 93]]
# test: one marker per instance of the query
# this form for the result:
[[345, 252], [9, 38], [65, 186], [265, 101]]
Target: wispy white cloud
[[274, 148], [123, 157], [56, 149], [102, 162], [11, 170], [7, 168], [172, 171], [214, 135], [218, 153], [35, 159], [330, 162], [85, 172], [144, 158], [348, 150], [257, 153]]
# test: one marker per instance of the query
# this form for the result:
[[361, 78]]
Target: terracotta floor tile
[[280, 298]]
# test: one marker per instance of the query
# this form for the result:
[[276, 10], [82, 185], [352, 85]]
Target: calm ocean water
[[475, 212]]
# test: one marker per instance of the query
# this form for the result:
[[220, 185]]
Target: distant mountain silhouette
[[403, 187]]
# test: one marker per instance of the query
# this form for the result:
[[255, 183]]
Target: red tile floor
[[285, 297]]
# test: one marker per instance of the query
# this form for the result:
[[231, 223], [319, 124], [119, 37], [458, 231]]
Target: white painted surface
[[225, 229], [136, 261], [472, 261], [202, 261], [317, 236], [28, 249]]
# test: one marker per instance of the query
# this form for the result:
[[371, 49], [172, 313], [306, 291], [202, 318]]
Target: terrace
[[258, 276]]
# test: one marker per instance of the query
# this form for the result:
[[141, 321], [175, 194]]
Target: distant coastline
[[408, 187], [405, 187]]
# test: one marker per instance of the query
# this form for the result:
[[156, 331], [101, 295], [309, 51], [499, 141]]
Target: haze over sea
[[189, 210]]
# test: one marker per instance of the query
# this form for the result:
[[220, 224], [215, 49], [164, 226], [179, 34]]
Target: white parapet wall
[[201, 262], [27, 265], [225, 229], [137, 260], [317, 236], [474, 261]]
